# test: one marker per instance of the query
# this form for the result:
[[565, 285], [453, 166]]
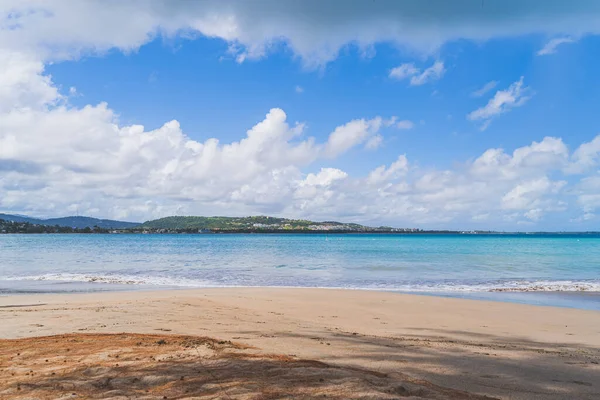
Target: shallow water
[[475, 266]]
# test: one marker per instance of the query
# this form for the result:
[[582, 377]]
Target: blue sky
[[196, 83], [82, 84]]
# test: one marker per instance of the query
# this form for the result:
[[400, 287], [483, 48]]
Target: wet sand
[[293, 343]]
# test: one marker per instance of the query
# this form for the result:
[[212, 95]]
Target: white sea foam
[[113, 279], [511, 286], [500, 286]]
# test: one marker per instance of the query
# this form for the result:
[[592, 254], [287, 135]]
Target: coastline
[[502, 350], [576, 299]]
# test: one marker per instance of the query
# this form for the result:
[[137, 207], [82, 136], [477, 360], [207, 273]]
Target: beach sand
[[267, 343]]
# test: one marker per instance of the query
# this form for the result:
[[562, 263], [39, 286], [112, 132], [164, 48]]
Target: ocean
[[558, 270]]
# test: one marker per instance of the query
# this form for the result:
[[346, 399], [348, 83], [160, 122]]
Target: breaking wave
[[426, 287]]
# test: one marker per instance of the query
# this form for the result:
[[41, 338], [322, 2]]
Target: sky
[[471, 114]]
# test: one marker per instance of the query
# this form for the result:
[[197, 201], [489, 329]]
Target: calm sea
[[549, 270]]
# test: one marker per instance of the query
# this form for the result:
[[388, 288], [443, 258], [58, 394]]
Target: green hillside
[[245, 223]]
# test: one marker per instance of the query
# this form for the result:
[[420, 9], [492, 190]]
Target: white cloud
[[527, 194], [551, 46], [299, 89], [534, 214], [403, 71], [374, 142], [356, 132], [83, 157], [22, 84], [405, 124], [395, 170], [417, 78], [588, 216], [584, 218], [325, 177], [433, 73], [484, 89], [525, 162], [56, 157], [349, 135], [586, 156], [588, 193], [589, 202], [503, 101], [57, 29]]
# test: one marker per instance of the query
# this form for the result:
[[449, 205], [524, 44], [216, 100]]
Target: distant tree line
[[26, 227]]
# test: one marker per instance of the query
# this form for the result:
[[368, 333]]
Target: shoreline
[[573, 299], [503, 350]]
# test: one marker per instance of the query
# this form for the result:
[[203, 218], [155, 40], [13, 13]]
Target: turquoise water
[[478, 266]]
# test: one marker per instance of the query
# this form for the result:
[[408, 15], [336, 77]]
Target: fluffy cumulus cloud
[[56, 158], [53, 157], [356, 132], [586, 160], [384, 173]]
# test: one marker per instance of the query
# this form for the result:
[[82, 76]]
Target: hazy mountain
[[19, 218], [73, 222]]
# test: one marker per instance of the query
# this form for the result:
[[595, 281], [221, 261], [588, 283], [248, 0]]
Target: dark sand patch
[[121, 366]]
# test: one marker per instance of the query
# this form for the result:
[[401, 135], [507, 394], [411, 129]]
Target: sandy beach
[[260, 343]]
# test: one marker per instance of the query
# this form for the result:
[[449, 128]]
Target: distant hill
[[256, 223], [72, 222], [19, 218], [211, 222]]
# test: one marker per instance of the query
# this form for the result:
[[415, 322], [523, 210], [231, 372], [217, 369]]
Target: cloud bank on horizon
[[57, 157]]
